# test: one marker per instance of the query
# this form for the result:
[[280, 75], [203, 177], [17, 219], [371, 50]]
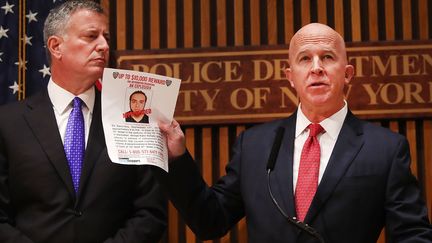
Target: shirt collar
[[62, 98], [332, 125]]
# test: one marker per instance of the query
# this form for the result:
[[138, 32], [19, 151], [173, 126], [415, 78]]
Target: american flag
[[24, 68]]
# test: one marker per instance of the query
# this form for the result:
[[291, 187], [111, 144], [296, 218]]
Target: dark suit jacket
[[367, 184], [116, 203]]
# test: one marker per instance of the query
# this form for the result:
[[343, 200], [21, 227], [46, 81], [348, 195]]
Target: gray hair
[[59, 16]]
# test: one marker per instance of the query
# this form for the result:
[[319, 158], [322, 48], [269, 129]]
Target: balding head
[[318, 70], [316, 33]]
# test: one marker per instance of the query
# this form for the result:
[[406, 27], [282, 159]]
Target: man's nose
[[317, 66], [103, 44]]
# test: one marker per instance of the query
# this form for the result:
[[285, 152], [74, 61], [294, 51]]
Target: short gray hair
[[59, 16]]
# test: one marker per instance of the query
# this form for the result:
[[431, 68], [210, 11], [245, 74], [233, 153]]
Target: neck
[[317, 114], [72, 83]]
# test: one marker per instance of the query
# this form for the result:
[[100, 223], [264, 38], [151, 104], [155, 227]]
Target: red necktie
[[307, 181]]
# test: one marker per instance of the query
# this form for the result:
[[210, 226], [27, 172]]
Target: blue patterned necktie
[[74, 143]]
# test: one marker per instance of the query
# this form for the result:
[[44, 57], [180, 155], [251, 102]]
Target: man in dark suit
[[40, 201], [352, 179]]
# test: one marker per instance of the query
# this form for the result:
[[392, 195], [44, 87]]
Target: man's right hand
[[175, 139]]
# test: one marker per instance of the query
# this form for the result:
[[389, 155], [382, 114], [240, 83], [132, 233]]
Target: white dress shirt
[[62, 105], [327, 140]]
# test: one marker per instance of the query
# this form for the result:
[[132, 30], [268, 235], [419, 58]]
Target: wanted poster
[[133, 103]]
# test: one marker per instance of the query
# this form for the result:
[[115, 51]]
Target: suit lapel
[[347, 146], [283, 171], [95, 144], [41, 119]]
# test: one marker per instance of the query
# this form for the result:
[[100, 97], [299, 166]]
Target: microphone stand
[[294, 221]]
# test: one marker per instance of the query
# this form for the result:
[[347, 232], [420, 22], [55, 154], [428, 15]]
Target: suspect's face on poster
[[137, 102]]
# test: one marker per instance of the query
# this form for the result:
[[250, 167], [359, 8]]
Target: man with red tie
[[344, 177]]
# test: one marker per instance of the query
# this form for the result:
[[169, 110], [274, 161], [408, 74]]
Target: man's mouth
[[99, 59], [317, 84]]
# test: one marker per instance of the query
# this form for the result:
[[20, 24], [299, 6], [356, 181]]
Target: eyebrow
[[306, 50]]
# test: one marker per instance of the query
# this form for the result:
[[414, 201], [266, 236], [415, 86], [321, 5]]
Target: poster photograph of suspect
[[137, 108]]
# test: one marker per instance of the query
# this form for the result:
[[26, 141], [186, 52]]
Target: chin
[[96, 72], [320, 100]]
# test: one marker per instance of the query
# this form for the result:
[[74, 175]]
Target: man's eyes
[[324, 57], [93, 36], [304, 58], [328, 57]]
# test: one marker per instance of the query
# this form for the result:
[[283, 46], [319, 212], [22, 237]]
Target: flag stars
[[8, 8], [31, 17], [15, 87], [3, 32], [27, 40], [21, 64], [1, 54], [45, 71]]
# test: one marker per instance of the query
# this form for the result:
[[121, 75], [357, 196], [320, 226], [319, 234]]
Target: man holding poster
[[57, 183], [321, 166]]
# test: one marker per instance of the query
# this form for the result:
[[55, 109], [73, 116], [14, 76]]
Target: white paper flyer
[[132, 105]]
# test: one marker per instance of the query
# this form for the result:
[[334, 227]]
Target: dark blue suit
[[116, 203], [367, 185]]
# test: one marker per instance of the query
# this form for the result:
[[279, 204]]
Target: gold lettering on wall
[[248, 84]]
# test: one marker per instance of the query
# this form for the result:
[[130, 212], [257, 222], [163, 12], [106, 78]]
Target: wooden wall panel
[[288, 18], [190, 144], [238, 23], [138, 24], [121, 25], [406, 19], [255, 27], [206, 160], [205, 23], [322, 11], [411, 136], [305, 15], [423, 18], [390, 23], [339, 17], [171, 24], [373, 20], [221, 23], [188, 23], [155, 24], [355, 19], [272, 23], [223, 161]]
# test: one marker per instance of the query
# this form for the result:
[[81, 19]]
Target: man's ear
[[349, 73], [288, 76], [53, 45]]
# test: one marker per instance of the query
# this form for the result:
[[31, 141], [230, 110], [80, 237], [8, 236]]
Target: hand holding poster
[[133, 103]]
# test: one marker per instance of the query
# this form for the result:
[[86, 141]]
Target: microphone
[[275, 148], [270, 166]]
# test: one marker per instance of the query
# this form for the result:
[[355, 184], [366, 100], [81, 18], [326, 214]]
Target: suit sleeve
[[406, 213], [149, 220], [209, 211], [8, 233]]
